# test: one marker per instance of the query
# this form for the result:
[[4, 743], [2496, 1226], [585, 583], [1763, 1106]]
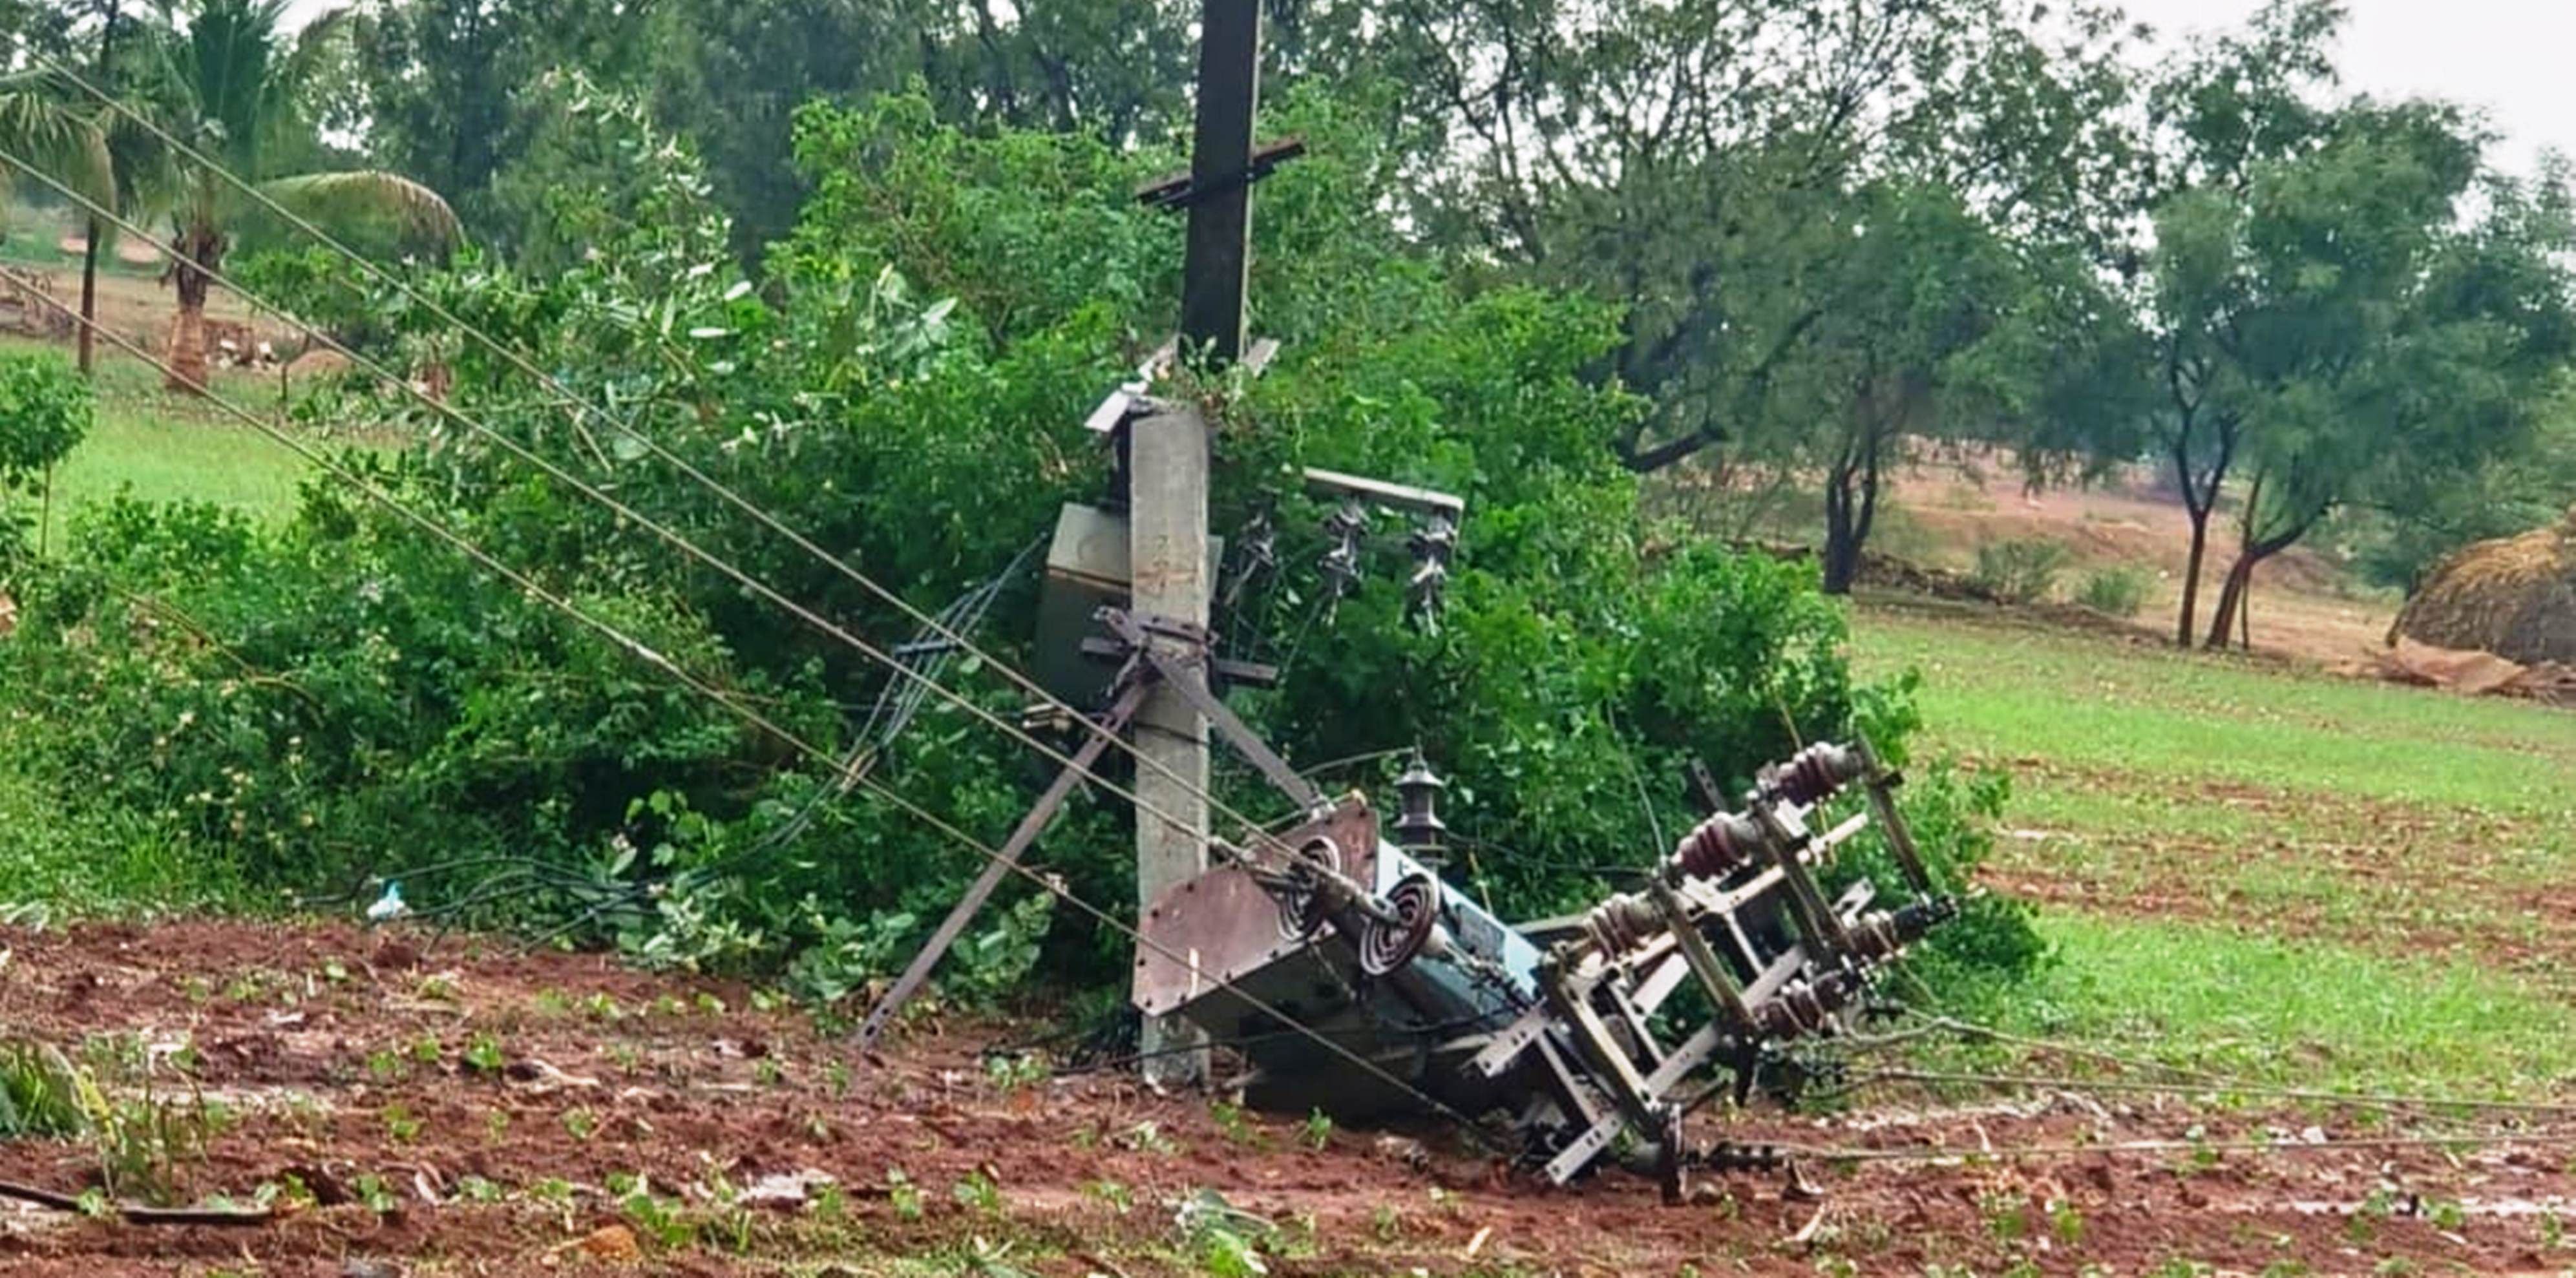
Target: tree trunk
[[89, 300], [89, 249], [200, 249], [187, 358], [2222, 623], [2191, 573], [2233, 601], [1842, 557], [1842, 548]]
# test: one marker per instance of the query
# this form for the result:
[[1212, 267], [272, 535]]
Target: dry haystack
[[2515, 597]]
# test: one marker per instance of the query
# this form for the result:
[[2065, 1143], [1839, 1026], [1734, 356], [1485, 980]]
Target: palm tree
[[43, 123], [232, 85]]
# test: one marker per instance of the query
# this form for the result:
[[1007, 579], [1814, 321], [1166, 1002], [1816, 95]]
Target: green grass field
[[2270, 872], [164, 447]]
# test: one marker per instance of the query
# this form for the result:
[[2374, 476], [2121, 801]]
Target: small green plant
[[582, 1123], [384, 1066], [1317, 1131], [475, 1189], [42, 1094], [426, 1050], [375, 1194], [1016, 1072], [557, 1193], [902, 1194], [978, 1192], [2007, 1216], [2120, 591], [2065, 1223], [145, 1143], [401, 1125], [483, 1055], [2019, 572], [1116, 1195], [664, 1220], [1229, 1242], [1234, 1124]]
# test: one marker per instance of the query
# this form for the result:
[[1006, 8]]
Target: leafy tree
[[1931, 327], [443, 84], [234, 87], [2331, 315], [2410, 521], [1695, 161], [45, 411], [60, 127]]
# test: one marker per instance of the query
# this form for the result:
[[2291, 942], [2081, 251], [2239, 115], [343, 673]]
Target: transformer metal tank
[[1567, 1028]]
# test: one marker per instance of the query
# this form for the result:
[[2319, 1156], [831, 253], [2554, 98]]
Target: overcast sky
[[2509, 57]]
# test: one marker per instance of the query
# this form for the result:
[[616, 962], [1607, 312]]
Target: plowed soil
[[472, 1110]]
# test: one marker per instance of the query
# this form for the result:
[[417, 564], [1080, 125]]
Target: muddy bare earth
[[466, 1109]]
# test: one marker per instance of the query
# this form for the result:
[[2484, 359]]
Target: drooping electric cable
[[584, 407], [752, 717], [759, 588]]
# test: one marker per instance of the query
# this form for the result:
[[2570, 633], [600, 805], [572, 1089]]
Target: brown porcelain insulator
[[1720, 845]]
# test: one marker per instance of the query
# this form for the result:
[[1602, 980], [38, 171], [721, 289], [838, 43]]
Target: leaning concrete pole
[[1168, 477]]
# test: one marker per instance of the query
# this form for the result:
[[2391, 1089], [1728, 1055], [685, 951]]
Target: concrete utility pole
[[1168, 469]]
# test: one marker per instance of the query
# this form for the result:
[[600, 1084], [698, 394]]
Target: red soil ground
[[359, 1068]]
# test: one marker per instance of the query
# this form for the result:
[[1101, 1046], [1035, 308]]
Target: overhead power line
[[753, 717]]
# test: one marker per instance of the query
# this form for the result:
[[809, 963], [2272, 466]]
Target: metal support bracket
[[1131, 695], [1185, 677]]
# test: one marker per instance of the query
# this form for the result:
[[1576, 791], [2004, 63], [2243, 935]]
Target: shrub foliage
[[340, 697]]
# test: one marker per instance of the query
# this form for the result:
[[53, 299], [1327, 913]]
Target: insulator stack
[[1815, 773], [1720, 845], [1623, 923], [1881, 936], [1805, 1009]]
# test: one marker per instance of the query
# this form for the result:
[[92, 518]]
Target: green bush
[[2120, 591], [299, 708], [45, 412], [2022, 571]]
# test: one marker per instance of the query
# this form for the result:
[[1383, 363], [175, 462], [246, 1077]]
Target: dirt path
[[486, 1113]]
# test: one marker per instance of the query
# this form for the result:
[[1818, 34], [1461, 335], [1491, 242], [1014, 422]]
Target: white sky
[[2507, 57]]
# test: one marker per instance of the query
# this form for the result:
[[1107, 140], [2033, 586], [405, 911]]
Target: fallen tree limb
[[136, 1214]]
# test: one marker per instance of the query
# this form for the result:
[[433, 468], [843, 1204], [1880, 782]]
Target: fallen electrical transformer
[[1568, 1026]]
